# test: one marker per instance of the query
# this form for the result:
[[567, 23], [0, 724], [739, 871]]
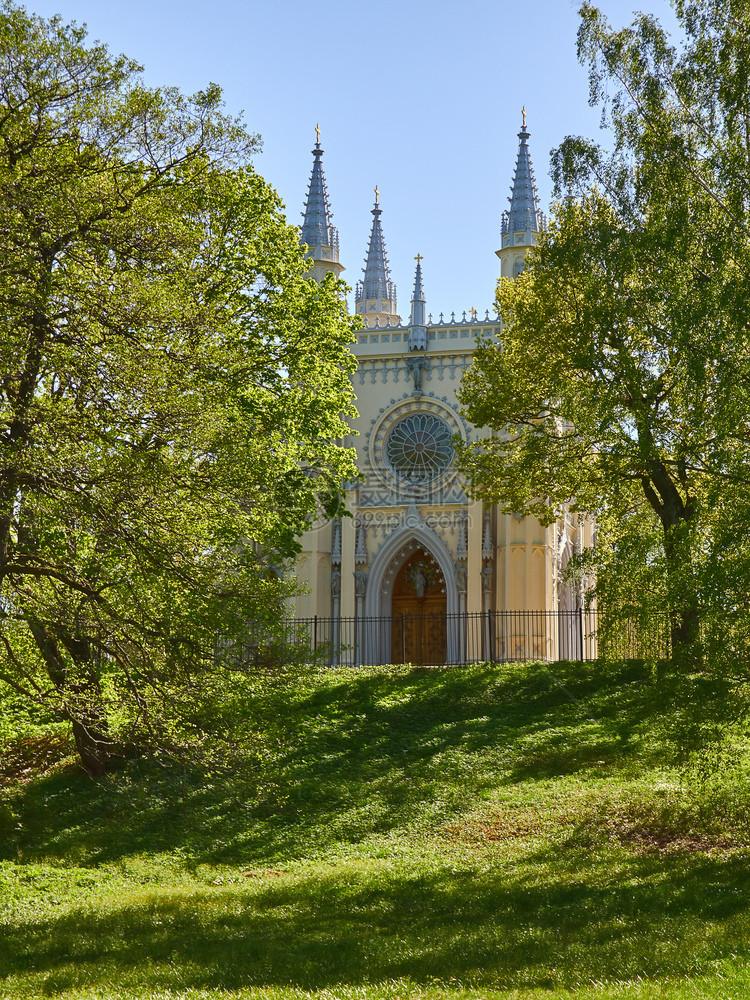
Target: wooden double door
[[418, 610]]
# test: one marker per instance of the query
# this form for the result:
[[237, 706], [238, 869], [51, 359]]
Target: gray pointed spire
[[377, 282], [417, 324], [375, 295], [524, 215], [317, 229], [523, 223], [418, 294]]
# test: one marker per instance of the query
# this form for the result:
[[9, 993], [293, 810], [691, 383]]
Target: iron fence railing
[[475, 637]]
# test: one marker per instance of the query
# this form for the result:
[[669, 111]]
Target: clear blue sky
[[421, 97]]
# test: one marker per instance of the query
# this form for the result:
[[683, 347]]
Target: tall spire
[[375, 295], [417, 321], [524, 221], [377, 281], [317, 229]]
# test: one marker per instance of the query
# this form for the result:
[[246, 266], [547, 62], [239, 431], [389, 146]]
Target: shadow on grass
[[348, 756], [614, 919]]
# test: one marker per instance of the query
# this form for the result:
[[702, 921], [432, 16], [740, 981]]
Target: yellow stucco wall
[[522, 557]]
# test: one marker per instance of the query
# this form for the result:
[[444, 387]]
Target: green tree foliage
[[622, 381], [172, 389]]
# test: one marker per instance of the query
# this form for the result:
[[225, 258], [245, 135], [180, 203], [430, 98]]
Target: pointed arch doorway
[[418, 611], [394, 554]]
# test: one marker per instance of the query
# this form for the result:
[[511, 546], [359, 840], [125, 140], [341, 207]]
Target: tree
[[172, 389], [621, 382]]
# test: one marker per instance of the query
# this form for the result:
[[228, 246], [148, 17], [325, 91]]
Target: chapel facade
[[417, 548]]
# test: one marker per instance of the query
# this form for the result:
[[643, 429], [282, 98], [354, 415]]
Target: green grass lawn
[[514, 831]]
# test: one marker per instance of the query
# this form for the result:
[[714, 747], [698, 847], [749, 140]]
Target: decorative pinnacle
[[418, 328], [376, 282], [524, 214], [317, 134], [418, 294], [317, 229]]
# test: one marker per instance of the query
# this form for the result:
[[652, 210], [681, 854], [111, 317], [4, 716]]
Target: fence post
[[580, 633], [491, 627], [315, 634], [403, 640]]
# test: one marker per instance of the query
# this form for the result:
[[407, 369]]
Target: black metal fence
[[475, 637]]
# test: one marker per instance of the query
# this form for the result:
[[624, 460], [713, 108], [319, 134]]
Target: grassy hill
[[513, 831]]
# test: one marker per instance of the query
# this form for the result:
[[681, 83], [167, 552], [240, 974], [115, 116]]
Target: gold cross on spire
[[473, 312], [317, 133], [377, 194], [419, 258], [523, 115]]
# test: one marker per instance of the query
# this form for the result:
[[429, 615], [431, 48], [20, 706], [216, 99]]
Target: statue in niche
[[336, 583], [461, 579], [416, 370], [360, 582], [421, 576]]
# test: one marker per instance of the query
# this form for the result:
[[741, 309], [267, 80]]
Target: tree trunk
[[685, 618], [676, 518], [81, 695], [93, 745]]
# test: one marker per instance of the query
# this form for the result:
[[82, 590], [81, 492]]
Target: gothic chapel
[[417, 549]]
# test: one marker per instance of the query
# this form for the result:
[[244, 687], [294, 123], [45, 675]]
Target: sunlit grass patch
[[505, 831]]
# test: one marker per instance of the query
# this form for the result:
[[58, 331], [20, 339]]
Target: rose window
[[419, 447]]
